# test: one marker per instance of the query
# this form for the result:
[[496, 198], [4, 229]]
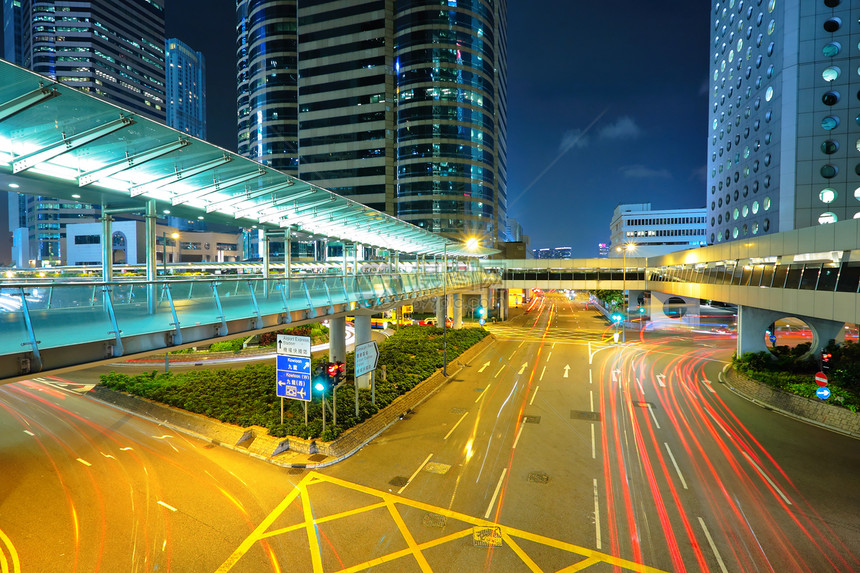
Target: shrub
[[247, 396]]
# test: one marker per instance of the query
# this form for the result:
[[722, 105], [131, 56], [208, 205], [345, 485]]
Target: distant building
[[112, 50], [655, 232], [603, 250], [554, 253], [129, 245], [185, 70]]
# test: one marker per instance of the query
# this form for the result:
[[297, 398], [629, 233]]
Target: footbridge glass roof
[[59, 142]]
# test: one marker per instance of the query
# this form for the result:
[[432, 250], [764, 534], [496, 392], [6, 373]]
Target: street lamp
[[164, 244], [623, 250]]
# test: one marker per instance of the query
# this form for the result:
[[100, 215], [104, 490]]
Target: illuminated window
[[826, 218], [827, 195], [831, 73], [831, 49], [830, 122]]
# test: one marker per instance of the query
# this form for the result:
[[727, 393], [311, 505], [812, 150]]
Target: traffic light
[[320, 379], [825, 360], [331, 372], [641, 310], [616, 317], [481, 312], [339, 372]]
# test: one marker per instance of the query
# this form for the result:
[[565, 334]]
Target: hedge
[[247, 396]]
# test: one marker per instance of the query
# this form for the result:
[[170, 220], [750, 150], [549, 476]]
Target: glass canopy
[[59, 142]]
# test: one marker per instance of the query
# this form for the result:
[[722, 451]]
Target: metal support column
[[150, 258], [107, 247], [337, 339], [288, 252]]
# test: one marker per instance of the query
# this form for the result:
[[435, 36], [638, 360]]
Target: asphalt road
[[553, 448]]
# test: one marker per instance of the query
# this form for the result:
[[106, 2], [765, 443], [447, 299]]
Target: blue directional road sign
[[773, 339], [294, 377], [823, 393]]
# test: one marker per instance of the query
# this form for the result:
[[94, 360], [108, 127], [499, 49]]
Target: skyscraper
[[784, 123], [185, 71], [398, 105], [114, 50]]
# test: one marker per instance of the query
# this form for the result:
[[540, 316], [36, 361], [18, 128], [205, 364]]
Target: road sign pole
[[282, 411], [306, 413], [334, 406], [323, 405], [373, 387], [355, 387]]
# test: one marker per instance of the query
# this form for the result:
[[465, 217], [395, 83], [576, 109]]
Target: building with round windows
[[784, 123]]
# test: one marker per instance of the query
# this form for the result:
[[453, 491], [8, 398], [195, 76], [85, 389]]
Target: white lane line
[[593, 448], [541, 374], [548, 355], [495, 494], [590, 355], [496, 375], [713, 546], [520, 433], [481, 395], [85, 462], [455, 426], [553, 345], [591, 399], [512, 354], [533, 395], [660, 380], [412, 477], [653, 417], [29, 433], [596, 516], [521, 343], [170, 507], [589, 377], [765, 476], [674, 463], [638, 383]]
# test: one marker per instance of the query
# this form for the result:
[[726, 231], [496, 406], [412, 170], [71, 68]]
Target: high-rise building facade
[[784, 118], [185, 81], [13, 40], [113, 50], [654, 232], [400, 105]]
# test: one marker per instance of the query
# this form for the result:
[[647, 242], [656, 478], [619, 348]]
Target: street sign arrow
[[366, 356], [661, 380], [484, 367], [523, 367], [566, 369]]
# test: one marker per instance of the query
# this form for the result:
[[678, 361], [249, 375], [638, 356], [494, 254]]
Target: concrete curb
[[262, 446], [818, 413]]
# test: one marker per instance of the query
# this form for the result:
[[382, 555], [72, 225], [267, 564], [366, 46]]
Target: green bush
[[784, 369], [234, 345], [247, 396]]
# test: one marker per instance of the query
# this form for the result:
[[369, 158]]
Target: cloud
[[700, 174], [623, 128], [642, 172], [573, 138]]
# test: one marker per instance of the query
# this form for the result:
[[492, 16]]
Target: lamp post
[[627, 247], [164, 242]]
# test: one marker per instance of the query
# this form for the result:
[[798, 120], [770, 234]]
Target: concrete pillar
[[149, 257], [265, 245], [107, 247], [337, 339], [362, 335], [485, 299], [457, 310], [503, 305], [686, 307], [753, 322], [288, 252]]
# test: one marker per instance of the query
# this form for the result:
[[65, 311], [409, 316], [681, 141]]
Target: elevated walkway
[[53, 326]]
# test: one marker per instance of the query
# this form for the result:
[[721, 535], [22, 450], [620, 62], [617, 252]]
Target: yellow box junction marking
[[492, 534]]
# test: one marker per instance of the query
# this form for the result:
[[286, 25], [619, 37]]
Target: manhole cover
[[531, 419], [459, 411], [487, 536], [583, 415], [316, 458], [434, 520], [538, 477], [437, 468], [399, 481]]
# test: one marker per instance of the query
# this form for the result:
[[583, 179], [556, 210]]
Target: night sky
[[607, 104]]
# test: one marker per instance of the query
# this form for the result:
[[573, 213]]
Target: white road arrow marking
[[523, 367], [661, 380], [566, 370], [615, 375], [484, 367], [708, 385]]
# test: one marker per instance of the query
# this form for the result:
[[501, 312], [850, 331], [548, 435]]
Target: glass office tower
[[398, 104], [185, 70], [784, 121]]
